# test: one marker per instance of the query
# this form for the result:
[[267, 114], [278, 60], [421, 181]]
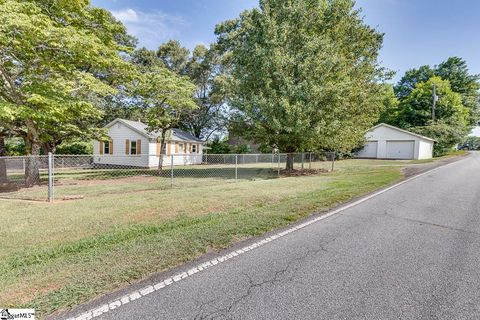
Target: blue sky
[[417, 32]]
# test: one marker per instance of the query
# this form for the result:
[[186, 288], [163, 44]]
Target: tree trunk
[[290, 160], [3, 163], [49, 147], [32, 166], [160, 160]]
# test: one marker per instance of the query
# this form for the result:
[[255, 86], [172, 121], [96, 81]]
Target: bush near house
[[75, 147]]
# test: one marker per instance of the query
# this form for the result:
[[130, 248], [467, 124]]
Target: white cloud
[[126, 16], [151, 28]]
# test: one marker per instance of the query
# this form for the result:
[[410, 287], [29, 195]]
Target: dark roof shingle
[[141, 128]]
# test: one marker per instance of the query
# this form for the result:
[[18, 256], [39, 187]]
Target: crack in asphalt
[[386, 214], [252, 285]]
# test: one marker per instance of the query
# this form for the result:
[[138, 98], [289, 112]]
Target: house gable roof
[[401, 130], [141, 128]]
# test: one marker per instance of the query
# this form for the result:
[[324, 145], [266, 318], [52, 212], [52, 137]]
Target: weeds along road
[[410, 253]]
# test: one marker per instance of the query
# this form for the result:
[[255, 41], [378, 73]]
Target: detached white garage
[[388, 142]]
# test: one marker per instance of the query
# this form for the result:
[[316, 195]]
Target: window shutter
[[111, 146], [100, 143], [167, 147], [139, 146], [127, 147], [176, 147], [158, 148], [191, 144]]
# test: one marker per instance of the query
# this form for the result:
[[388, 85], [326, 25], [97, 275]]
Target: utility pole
[[435, 99]]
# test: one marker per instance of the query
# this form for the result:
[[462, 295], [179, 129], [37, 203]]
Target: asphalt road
[[410, 253]]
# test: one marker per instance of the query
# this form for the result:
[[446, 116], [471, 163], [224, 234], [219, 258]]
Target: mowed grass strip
[[57, 256]]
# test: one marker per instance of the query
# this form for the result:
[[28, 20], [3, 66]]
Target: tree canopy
[[163, 96], [456, 111], [204, 68], [55, 58], [451, 116], [174, 56], [304, 74], [455, 71], [417, 106]]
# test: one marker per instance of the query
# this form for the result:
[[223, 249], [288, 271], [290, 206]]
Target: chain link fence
[[24, 177], [65, 177]]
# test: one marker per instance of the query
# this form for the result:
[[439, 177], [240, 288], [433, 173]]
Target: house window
[[106, 147], [180, 148], [133, 147], [194, 148]]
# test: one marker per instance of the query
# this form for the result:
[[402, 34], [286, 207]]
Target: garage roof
[[402, 130]]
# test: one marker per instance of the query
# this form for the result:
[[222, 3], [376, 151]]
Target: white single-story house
[[130, 144], [388, 142]]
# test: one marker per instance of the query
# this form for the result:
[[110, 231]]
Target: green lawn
[[56, 256]]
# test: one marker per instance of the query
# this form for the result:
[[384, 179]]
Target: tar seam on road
[[137, 294]]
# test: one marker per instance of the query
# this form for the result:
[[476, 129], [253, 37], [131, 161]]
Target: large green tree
[[205, 69], [414, 112], [304, 74], [174, 56], [451, 123], [454, 70], [416, 108], [410, 80], [122, 105], [456, 112], [55, 58], [391, 106], [164, 96]]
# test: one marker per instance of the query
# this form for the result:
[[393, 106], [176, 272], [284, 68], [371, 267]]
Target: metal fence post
[[50, 177], [333, 161], [171, 171], [303, 160], [278, 169], [310, 161], [236, 168]]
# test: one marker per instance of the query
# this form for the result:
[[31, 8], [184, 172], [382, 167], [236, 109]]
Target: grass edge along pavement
[[160, 247]]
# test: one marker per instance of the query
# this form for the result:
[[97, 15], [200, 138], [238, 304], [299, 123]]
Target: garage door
[[369, 151], [400, 149]]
